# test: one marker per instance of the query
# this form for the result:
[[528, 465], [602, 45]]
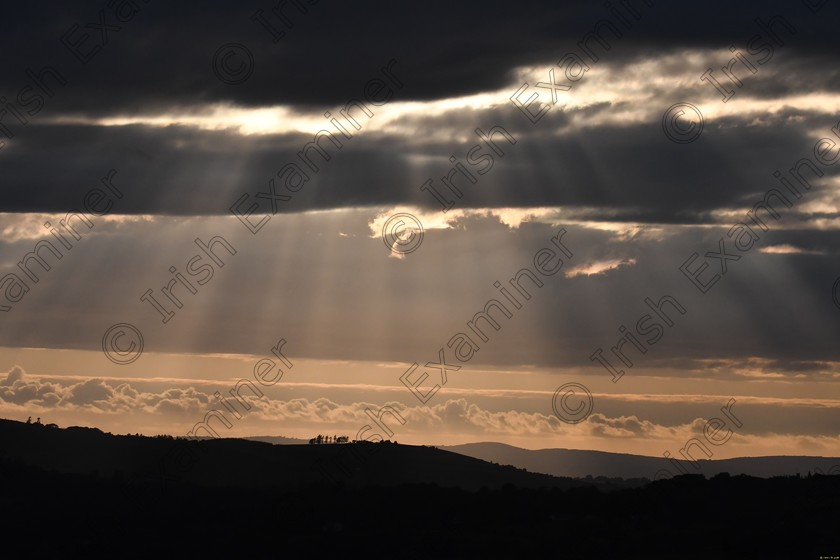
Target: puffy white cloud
[[180, 408], [15, 374], [623, 426]]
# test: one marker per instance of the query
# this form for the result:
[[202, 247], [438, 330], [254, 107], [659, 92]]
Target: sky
[[588, 226]]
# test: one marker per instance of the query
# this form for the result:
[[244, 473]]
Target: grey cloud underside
[[773, 306], [161, 58], [626, 173]]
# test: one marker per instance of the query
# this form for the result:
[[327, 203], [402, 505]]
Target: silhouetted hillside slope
[[73, 494], [58, 515], [239, 462], [577, 463]]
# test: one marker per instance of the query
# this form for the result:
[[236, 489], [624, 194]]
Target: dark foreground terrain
[[55, 503]]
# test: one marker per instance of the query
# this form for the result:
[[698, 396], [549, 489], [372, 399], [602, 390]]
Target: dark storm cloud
[[160, 59], [626, 173], [161, 54]]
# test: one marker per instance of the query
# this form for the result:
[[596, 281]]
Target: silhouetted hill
[[577, 463], [71, 494], [46, 514], [239, 462]]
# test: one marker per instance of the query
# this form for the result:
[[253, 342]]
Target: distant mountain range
[[577, 463]]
